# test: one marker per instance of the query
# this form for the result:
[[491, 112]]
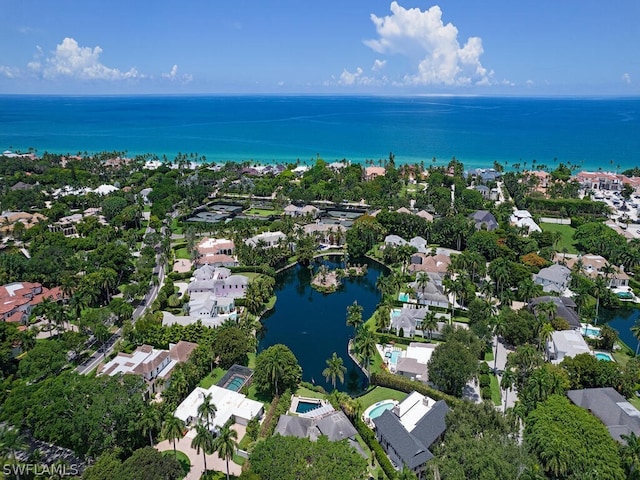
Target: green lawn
[[183, 254], [496, 394], [262, 212], [176, 227], [566, 241], [252, 360], [380, 393], [212, 378], [305, 392]]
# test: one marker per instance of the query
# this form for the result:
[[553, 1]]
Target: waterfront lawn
[[566, 240], [305, 392], [212, 378], [380, 393]]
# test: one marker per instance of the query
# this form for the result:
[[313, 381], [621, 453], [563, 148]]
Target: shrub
[[484, 368], [404, 384], [485, 380], [485, 392], [370, 439]]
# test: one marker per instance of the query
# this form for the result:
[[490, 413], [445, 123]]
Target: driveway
[[214, 462]]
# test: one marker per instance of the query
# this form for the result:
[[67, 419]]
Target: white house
[[266, 239], [555, 278], [523, 219], [218, 281], [566, 343]]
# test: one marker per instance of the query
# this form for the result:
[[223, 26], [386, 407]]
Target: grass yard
[[212, 378], [496, 394], [566, 241], [305, 392], [380, 393], [262, 212], [183, 254]]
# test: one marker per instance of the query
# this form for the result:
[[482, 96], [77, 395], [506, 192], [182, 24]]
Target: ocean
[[591, 133]]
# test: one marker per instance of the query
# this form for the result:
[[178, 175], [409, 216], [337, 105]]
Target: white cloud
[[378, 65], [348, 78], [529, 83], [82, 63], [174, 76], [9, 72], [626, 78], [431, 45]]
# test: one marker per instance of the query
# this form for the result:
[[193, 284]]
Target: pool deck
[[295, 400]]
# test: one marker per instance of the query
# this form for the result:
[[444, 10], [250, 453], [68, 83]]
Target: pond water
[[313, 324], [622, 320]]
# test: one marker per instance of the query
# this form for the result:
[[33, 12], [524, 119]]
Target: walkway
[[214, 462], [501, 362]]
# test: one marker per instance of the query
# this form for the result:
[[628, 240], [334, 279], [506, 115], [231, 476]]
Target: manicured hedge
[[370, 439], [390, 338], [279, 406], [404, 384], [180, 275], [264, 269]]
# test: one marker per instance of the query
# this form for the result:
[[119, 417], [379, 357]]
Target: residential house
[[18, 299], [524, 220], [413, 361], [564, 309], [304, 211], [155, 366], [266, 239], [484, 220], [408, 321], [566, 343], [218, 281], [423, 262], [216, 252], [613, 410], [328, 234], [426, 215], [484, 175], [420, 244], [555, 278], [230, 405], [9, 219], [333, 424], [484, 191], [594, 266], [394, 241], [372, 172], [407, 431]]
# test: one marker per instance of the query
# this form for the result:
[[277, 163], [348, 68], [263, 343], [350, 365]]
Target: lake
[[313, 324], [622, 320]]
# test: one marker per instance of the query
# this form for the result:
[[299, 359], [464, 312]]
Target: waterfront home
[[566, 343], [217, 281], [229, 405], [408, 321], [407, 431], [155, 366], [595, 265], [371, 173], [613, 410], [332, 424], [394, 241], [555, 278], [484, 191], [484, 220], [18, 299], [8, 220], [423, 262], [413, 361], [328, 234], [484, 175], [210, 251], [266, 239], [564, 309]]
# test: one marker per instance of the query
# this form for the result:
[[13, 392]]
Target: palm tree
[[172, 430], [335, 369], [499, 327], [636, 333], [354, 315], [226, 443], [207, 409], [545, 335], [365, 343], [599, 287], [151, 420], [423, 281], [12, 441], [630, 454], [506, 383], [203, 441], [430, 323]]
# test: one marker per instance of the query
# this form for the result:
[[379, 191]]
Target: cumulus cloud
[[348, 78], [70, 60], [9, 72], [378, 65], [174, 76], [626, 78], [433, 46]]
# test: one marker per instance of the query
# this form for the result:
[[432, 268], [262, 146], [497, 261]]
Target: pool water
[[379, 410], [625, 295], [604, 357], [591, 332], [304, 407], [394, 357], [403, 297], [396, 312], [235, 383]]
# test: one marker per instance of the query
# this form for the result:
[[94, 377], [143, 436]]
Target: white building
[[566, 343], [266, 239], [229, 405], [523, 219]]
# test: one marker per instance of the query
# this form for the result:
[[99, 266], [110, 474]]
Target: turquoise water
[[235, 383], [394, 357], [304, 407], [403, 297], [380, 409], [592, 332], [476, 130], [604, 356], [396, 312], [624, 295]]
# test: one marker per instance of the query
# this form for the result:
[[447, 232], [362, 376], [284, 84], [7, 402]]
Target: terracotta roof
[[182, 350]]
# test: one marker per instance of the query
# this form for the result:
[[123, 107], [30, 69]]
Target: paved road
[[500, 364], [95, 359]]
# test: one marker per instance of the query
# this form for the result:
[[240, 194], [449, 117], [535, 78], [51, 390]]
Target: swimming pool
[[396, 312], [605, 357], [591, 331], [306, 406], [377, 409], [625, 295], [235, 383], [403, 297]]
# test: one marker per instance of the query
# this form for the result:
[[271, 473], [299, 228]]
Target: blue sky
[[490, 47]]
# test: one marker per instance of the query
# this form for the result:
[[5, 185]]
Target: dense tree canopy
[[276, 370]]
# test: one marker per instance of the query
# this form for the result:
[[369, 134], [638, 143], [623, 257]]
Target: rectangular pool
[[304, 406], [235, 383]]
